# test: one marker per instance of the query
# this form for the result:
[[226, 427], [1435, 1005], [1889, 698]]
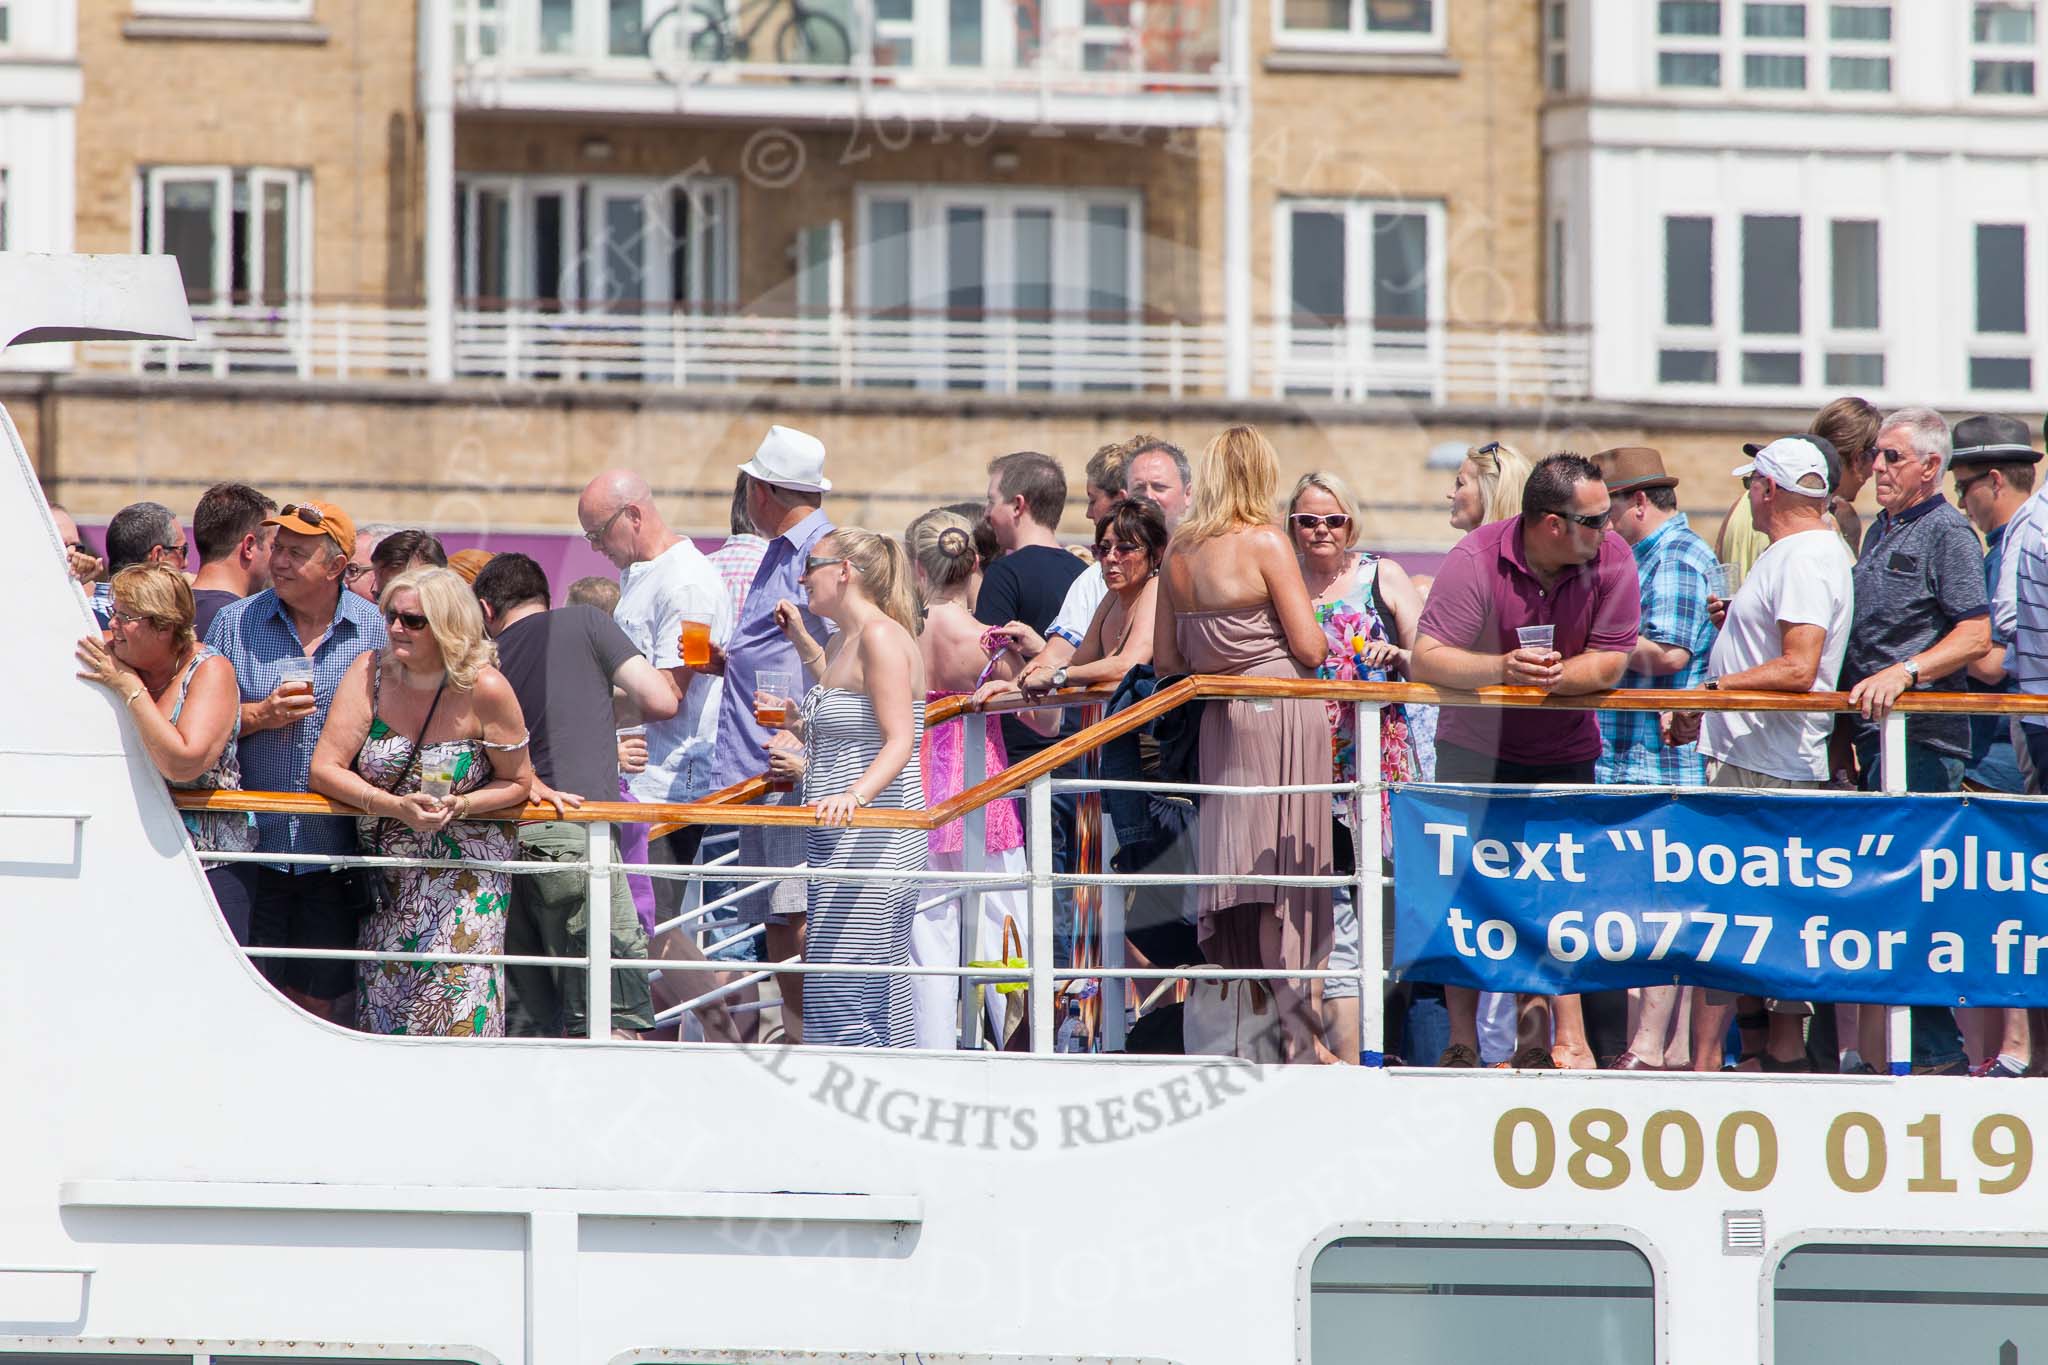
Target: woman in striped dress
[[861, 727]]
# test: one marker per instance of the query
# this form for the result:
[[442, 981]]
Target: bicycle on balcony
[[711, 31]]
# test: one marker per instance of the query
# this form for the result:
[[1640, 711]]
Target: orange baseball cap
[[317, 519]]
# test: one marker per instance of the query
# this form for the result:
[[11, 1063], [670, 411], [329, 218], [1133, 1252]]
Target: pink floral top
[[1349, 624]]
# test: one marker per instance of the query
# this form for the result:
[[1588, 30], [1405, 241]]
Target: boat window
[[1441, 1301], [1859, 1302]]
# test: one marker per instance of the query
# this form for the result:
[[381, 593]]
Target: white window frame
[[1817, 336], [1353, 361], [2007, 345], [1733, 46], [1357, 37], [716, 283], [285, 10], [298, 220], [1975, 52], [928, 205]]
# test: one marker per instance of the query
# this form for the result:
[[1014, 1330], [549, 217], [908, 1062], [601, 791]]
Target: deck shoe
[[1533, 1058], [1959, 1067], [1457, 1054], [2000, 1068]]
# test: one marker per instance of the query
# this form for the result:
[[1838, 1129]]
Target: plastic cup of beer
[[772, 687], [295, 677], [1722, 580], [1542, 638], [696, 643]]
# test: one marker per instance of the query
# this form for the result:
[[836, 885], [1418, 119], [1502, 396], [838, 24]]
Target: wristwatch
[[1059, 676], [1912, 669], [860, 800]]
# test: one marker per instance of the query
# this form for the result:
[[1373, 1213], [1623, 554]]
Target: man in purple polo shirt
[[786, 486], [1556, 565]]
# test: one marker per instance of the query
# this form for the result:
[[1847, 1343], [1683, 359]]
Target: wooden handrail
[[729, 806]]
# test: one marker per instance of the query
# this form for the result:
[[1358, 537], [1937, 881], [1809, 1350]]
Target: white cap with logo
[[1788, 460], [789, 458]]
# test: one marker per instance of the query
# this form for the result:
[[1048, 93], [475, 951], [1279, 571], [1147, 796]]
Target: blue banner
[[1886, 900]]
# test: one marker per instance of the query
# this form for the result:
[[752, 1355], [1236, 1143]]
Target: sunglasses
[[1123, 549], [1891, 456], [1592, 521], [1309, 521], [1489, 448], [411, 620], [310, 515], [1963, 486], [817, 562]]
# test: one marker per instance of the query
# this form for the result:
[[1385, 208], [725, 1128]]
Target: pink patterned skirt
[[944, 760]]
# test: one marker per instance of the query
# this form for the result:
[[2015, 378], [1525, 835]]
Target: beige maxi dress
[[1277, 742]]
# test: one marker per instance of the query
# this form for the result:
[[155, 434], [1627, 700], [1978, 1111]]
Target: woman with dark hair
[[1129, 543], [183, 699]]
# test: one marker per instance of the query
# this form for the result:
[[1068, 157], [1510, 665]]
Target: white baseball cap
[[789, 458], [1786, 461]]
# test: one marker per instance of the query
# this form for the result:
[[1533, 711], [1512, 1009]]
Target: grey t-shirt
[[1919, 575]]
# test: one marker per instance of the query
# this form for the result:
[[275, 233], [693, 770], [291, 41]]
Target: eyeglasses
[[1592, 521], [312, 516], [1892, 456], [1963, 486], [1122, 549], [817, 562], [129, 618], [1309, 521], [354, 571], [411, 620], [1489, 448], [597, 536]]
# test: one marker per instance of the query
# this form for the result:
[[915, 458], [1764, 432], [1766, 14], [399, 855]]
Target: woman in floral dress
[[431, 706], [1368, 610]]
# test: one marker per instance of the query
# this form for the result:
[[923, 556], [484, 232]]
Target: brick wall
[[341, 107]]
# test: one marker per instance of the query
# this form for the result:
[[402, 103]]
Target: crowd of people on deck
[[436, 695]]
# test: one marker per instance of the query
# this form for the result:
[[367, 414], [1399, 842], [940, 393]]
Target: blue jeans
[[1937, 1042]]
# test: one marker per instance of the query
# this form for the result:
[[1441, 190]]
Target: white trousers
[[935, 942]]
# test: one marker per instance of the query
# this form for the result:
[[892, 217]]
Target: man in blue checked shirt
[[1676, 570], [304, 614]]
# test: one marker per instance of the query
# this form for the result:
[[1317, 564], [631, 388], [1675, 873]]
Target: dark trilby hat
[[1993, 440], [1625, 469]]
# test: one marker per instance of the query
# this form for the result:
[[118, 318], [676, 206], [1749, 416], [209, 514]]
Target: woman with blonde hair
[[1368, 611], [1488, 485], [948, 570], [183, 699], [861, 726], [1231, 600], [423, 736]]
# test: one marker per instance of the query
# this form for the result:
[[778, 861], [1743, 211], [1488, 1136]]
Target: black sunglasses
[[1309, 521], [1489, 448], [1592, 521], [1963, 486], [1122, 548], [411, 620], [1892, 456], [817, 562], [310, 515]]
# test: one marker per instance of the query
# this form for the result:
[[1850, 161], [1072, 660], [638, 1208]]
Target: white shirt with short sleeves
[[1077, 610], [1806, 579], [654, 597]]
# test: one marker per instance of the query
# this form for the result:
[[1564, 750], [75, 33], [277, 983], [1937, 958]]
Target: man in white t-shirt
[[1785, 631], [664, 580]]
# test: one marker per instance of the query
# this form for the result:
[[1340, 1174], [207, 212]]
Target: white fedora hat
[[789, 458]]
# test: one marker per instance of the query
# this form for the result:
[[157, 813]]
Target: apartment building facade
[[453, 256]]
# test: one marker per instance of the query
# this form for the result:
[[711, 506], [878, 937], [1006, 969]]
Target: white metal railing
[[1040, 879], [1113, 47], [1001, 354]]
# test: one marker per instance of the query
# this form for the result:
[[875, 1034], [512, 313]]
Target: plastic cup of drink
[[295, 677], [696, 643], [437, 782], [1537, 637], [1721, 582], [772, 687]]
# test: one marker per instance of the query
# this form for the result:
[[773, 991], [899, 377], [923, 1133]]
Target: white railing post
[[597, 915], [1367, 884], [1112, 992], [974, 858], [1891, 771], [1038, 838]]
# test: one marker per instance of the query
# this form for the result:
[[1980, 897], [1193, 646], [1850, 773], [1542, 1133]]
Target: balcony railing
[[1011, 354], [726, 55]]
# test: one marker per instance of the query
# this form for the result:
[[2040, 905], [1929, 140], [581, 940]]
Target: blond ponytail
[[884, 571]]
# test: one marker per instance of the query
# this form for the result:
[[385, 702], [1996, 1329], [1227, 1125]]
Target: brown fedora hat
[[1625, 469]]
